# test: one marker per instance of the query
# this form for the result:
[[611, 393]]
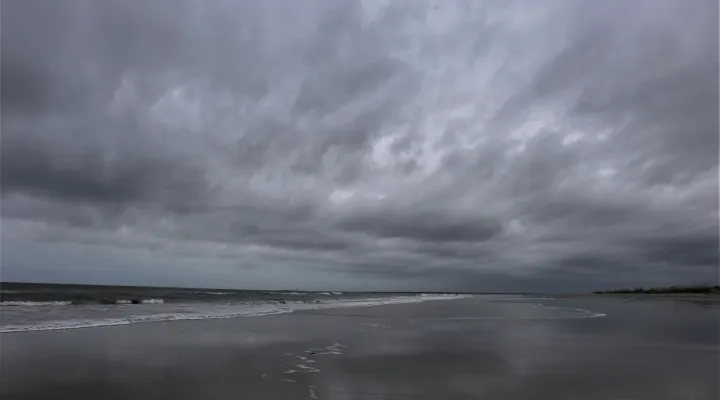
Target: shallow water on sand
[[482, 347]]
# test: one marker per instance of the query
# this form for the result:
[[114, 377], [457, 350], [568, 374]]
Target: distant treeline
[[696, 289]]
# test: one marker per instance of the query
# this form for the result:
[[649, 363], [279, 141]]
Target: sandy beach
[[481, 347], [709, 299]]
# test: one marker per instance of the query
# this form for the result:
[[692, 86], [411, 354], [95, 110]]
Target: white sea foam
[[76, 324], [67, 303], [306, 368], [207, 311], [290, 293], [214, 293], [35, 303], [152, 301]]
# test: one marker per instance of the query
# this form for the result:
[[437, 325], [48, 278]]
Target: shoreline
[[240, 310], [709, 299], [461, 350]]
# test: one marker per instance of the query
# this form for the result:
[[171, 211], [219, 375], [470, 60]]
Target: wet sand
[[708, 299], [712, 298], [458, 349]]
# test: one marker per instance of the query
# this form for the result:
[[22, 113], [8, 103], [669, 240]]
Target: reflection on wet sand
[[462, 349]]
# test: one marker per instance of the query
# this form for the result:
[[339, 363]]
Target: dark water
[[100, 294]]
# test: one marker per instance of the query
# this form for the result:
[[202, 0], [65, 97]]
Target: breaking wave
[[69, 302], [212, 311], [214, 293], [152, 301], [35, 303]]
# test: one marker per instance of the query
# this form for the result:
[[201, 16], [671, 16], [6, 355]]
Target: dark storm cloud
[[431, 226], [83, 173], [682, 250], [495, 145]]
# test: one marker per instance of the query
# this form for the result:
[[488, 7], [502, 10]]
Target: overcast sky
[[415, 145]]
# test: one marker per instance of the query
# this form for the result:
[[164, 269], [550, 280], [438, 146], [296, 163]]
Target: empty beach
[[503, 347]]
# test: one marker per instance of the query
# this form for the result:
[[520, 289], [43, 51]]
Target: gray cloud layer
[[466, 145]]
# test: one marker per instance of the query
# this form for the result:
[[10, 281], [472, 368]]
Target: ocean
[[34, 307]]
